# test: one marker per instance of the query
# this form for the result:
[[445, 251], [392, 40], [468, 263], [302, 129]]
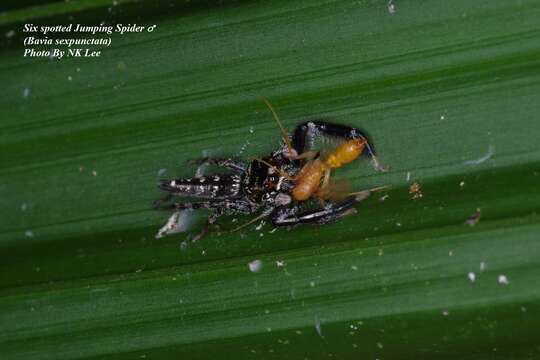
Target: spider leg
[[159, 202], [288, 216], [183, 206], [230, 164], [206, 228]]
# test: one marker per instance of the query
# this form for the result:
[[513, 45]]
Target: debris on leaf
[[391, 7], [486, 157], [255, 266], [416, 191], [503, 280], [474, 218], [318, 327]]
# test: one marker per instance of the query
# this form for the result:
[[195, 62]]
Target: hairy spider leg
[[206, 228], [288, 216], [236, 166], [159, 202]]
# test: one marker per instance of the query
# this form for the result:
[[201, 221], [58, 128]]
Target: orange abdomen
[[308, 180], [345, 153]]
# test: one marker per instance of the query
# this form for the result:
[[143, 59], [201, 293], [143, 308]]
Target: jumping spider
[[268, 184]]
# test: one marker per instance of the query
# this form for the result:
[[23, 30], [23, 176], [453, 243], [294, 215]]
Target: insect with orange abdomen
[[313, 179]]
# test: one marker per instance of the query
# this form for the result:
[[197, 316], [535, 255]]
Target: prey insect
[[308, 180], [277, 186]]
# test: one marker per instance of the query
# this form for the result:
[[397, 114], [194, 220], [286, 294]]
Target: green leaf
[[449, 93]]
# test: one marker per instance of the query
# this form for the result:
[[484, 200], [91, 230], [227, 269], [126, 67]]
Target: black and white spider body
[[260, 185]]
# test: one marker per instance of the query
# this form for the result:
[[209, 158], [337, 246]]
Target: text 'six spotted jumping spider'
[[282, 186]]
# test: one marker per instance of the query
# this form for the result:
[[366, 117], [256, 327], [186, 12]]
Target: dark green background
[[438, 86]]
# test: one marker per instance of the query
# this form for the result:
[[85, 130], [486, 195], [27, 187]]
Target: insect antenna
[[283, 131]]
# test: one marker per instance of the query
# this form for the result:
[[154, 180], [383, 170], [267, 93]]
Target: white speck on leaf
[[391, 7], [26, 93], [474, 218], [482, 266], [503, 280], [471, 276], [255, 266], [161, 172], [29, 233]]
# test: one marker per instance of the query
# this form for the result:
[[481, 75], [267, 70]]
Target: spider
[[266, 185]]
